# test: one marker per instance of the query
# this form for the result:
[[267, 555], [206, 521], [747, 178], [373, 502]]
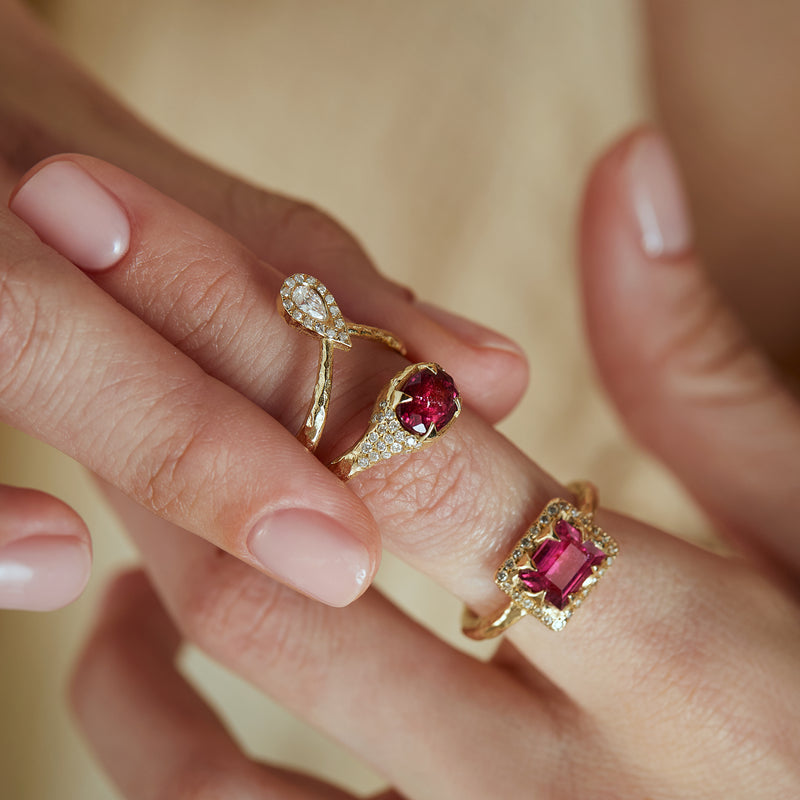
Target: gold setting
[[524, 602], [307, 305], [385, 437]]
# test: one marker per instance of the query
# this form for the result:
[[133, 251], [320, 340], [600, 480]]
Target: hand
[[83, 373], [677, 678]]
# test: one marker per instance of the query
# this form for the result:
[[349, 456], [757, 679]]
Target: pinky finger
[[152, 733], [45, 551]]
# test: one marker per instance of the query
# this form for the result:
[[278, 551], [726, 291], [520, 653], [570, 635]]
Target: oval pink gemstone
[[433, 402]]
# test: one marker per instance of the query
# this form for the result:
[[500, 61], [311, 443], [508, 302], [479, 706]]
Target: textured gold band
[[307, 305], [532, 590]]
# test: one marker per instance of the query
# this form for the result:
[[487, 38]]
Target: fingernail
[[42, 573], [75, 215], [312, 553], [469, 332], [658, 199]]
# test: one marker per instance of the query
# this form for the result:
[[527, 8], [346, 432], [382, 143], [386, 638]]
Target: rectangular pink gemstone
[[563, 565]]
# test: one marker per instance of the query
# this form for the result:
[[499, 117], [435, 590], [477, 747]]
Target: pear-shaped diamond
[[308, 304]]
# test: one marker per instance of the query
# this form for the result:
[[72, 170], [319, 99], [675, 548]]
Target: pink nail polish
[[42, 573], [658, 200], [470, 332], [312, 553], [75, 215]]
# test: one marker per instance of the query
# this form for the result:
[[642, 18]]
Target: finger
[[680, 368], [45, 551], [454, 511], [367, 676], [93, 380], [181, 292], [151, 731], [491, 369], [57, 108]]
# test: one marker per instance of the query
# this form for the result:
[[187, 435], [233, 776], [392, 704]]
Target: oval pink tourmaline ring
[[551, 569], [416, 407]]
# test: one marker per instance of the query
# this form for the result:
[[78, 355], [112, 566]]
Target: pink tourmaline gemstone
[[433, 401], [561, 566]]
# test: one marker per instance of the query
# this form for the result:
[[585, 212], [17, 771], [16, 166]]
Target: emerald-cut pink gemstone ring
[[551, 570]]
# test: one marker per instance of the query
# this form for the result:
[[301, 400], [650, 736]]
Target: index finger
[[92, 379]]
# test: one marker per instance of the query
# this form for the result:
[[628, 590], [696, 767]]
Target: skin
[[647, 694], [654, 690], [49, 106], [723, 78]]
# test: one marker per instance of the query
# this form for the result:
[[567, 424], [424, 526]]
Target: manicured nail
[[469, 332], [75, 215], [42, 573], [312, 553], [658, 199]]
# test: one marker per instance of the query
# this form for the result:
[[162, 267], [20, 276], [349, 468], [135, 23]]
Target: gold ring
[[306, 304], [552, 568], [415, 408]]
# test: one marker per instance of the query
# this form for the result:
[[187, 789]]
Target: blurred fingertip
[[43, 572]]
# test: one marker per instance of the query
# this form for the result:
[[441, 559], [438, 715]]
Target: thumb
[[680, 368]]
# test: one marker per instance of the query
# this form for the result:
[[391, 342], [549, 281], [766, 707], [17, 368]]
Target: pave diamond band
[[307, 304], [552, 568], [414, 409]]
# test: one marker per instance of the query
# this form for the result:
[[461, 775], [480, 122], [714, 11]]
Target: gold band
[[530, 574], [307, 305], [390, 431]]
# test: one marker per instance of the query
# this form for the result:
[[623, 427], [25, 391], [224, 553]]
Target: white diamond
[[397, 447], [363, 461], [373, 437], [411, 441], [308, 301], [297, 314], [373, 456], [380, 446], [386, 454], [289, 282]]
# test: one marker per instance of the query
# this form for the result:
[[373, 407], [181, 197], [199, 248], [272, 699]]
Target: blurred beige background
[[453, 137]]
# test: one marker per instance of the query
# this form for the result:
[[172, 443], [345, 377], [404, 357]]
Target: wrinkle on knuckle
[[710, 357], [169, 472], [36, 347], [251, 622], [429, 495]]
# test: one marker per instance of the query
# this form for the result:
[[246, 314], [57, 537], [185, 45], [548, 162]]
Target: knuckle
[[171, 473], [281, 229], [710, 355], [209, 298], [25, 332], [443, 490], [247, 620]]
